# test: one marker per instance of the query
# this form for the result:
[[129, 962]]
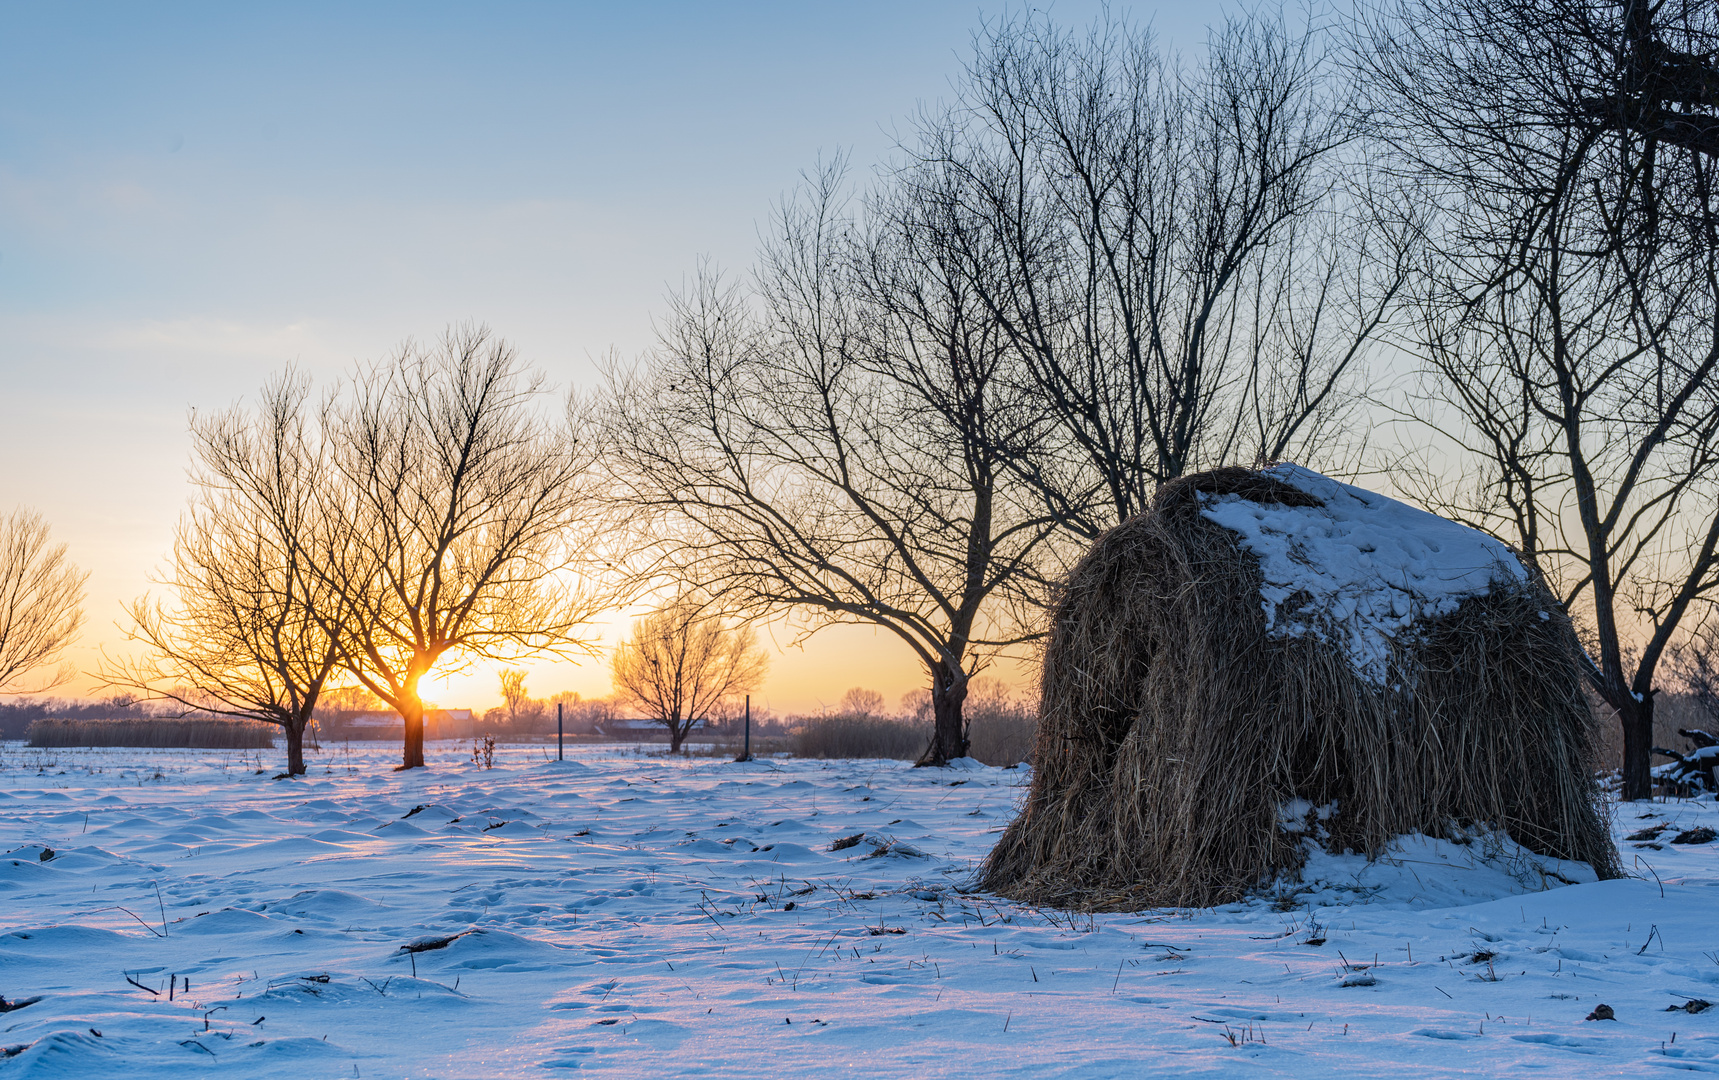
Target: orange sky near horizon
[[114, 498], [803, 679], [193, 197]]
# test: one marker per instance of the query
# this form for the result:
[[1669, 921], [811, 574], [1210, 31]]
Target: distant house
[[438, 724], [625, 726]]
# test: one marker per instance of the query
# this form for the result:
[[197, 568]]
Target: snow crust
[[632, 916], [1433, 872], [1363, 567]]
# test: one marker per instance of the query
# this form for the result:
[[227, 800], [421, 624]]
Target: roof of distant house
[[392, 719]]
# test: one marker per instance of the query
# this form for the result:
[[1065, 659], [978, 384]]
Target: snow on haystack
[[1259, 638], [1360, 565]]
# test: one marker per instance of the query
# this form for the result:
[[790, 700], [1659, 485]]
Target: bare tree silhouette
[[41, 598], [248, 630], [682, 662], [456, 516], [834, 444], [1180, 258], [1568, 310], [513, 693]]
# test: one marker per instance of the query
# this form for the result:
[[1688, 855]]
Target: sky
[[194, 195]]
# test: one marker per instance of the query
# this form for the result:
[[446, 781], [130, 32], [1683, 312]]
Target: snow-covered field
[[664, 917]]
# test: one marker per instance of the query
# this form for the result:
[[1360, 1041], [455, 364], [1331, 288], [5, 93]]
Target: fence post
[[746, 751], [560, 739]]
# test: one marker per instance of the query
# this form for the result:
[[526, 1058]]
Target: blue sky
[[192, 195]]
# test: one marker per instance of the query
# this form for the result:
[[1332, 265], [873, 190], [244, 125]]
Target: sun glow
[[804, 679]]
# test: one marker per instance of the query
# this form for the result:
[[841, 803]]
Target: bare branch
[[683, 662], [1568, 309], [41, 598]]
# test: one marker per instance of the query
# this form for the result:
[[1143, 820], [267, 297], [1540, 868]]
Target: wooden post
[[560, 739], [746, 750]]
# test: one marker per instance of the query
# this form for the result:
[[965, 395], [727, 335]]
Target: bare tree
[[584, 716], [859, 701], [41, 598], [249, 630], [834, 444], [1659, 80], [1093, 273], [682, 662], [1179, 258], [513, 693], [457, 516], [1568, 312]]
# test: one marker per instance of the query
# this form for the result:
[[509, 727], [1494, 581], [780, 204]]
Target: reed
[[206, 734], [861, 737]]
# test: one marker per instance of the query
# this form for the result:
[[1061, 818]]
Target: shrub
[[1001, 727], [1002, 736], [1002, 723], [200, 734], [861, 737]]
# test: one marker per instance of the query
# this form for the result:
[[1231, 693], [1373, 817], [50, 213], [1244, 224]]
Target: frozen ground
[[657, 917]]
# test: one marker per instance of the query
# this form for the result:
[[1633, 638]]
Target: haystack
[[1268, 656]]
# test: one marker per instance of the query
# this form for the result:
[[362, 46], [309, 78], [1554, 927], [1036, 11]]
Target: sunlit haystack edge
[[1264, 656]]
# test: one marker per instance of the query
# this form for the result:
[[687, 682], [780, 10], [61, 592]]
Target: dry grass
[[1002, 737], [860, 737], [763, 746], [200, 734], [1171, 728]]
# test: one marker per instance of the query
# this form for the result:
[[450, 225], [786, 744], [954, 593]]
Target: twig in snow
[[140, 986], [1655, 874], [1652, 933], [708, 915], [138, 917]]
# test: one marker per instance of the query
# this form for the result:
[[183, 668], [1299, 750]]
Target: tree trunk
[[1637, 720], [949, 737], [676, 735], [295, 747], [412, 713]]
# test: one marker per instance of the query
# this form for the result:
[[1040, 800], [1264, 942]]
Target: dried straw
[[1171, 728]]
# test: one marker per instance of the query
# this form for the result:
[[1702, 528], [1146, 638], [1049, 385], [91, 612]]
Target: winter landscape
[[688, 917], [913, 539]]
